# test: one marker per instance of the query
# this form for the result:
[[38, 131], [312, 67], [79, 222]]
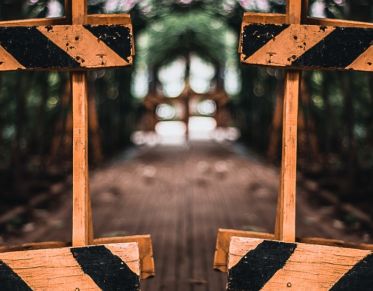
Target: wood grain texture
[[308, 47], [297, 266], [144, 242], [276, 18], [87, 268], [65, 47], [223, 242], [286, 202], [81, 200], [224, 237]]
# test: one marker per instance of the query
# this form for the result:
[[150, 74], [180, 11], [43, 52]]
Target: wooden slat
[[82, 216], [65, 47], [308, 47], [225, 235], [338, 22], [223, 241], [275, 18], [108, 19], [103, 267], [144, 242], [285, 216], [256, 264], [34, 22]]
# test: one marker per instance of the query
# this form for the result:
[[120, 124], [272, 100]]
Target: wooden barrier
[[257, 264], [76, 42], [280, 261], [308, 46], [100, 267], [65, 47]]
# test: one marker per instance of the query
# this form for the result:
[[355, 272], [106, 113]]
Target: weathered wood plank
[[308, 47], [286, 202], [144, 242], [82, 217], [34, 22], [277, 18], [225, 235], [65, 47], [256, 264], [145, 245], [223, 241], [103, 267]]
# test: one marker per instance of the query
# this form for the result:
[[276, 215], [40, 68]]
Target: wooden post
[[82, 233], [286, 205]]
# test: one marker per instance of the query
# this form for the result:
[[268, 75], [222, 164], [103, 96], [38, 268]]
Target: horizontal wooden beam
[[257, 264], [147, 267], [101, 267], [65, 47], [108, 19], [225, 235], [338, 22], [277, 18], [307, 47], [34, 22]]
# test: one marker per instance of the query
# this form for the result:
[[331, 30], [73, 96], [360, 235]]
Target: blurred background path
[[181, 195]]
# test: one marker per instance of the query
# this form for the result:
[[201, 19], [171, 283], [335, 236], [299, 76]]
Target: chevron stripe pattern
[[307, 47], [104, 267], [65, 47], [257, 264]]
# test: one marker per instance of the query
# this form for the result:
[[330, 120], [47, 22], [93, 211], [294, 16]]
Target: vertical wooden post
[[286, 205], [82, 233]]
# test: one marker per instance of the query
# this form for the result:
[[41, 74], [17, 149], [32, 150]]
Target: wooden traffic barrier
[[225, 236], [308, 46], [281, 261], [100, 267], [144, 242], [257, 264], [76, 42], [65, 47]]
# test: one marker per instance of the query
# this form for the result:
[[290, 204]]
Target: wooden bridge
[[181, 195]]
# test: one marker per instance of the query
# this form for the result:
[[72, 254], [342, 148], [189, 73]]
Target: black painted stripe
[[33, 50], [10, 281], [359, 278], [259, 265], [338, 50], [107, 270], [255, 36], [117, 37]]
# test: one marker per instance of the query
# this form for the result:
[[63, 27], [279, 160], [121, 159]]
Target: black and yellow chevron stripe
[[104, 267], [308, 46], [257, 264], [65, 47]]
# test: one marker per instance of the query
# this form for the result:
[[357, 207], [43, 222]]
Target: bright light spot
[[201, 73], [54, 9], [206, 107], [201, 128], [232, 81], [140, 83], [199, 85], [165, 111], [171, 132], [172, 78], [173, 89], [318, 9]]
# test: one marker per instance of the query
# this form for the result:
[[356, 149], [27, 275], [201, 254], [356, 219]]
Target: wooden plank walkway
[[181, 196]]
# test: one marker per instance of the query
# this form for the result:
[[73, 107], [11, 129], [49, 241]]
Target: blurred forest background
[[336, 110]]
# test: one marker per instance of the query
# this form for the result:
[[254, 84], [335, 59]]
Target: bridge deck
[[181, 196]]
